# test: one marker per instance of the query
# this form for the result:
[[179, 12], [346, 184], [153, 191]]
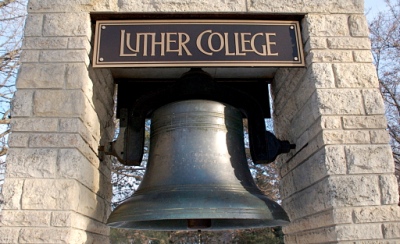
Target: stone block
[[78, 78], [33, 25], [364, 159], [75, 125], [373, 102], [376, 214], [349, 43], [72, 6], [79, 43], [12, 192], [355, 190], [358, 232], [31, 163], [71, 164], [389, 189], [9, 235], [45, 43], [64, 56], [339, 102], [62, 219], [311, 200], [320, 220], [327, 161], [329, 56], [183, 6], [358, 25], [331, 122], [29, 56], [22, 103], [310, 6], [59, 103], [320, 25], [315, 43], [18, 139], [34, 125], [51, 235], [355, 75], [92, 205], [24, 218], [322, 235], [379, 136], [391, 230], [67, 24], [78, 221], [50, 194], [41, 76], [63, 141], [364, 122], [363, 56], [332, 137]]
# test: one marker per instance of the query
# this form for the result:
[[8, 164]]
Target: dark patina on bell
[[197, 175]]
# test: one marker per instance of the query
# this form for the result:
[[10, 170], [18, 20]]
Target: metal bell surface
[[197, 175]]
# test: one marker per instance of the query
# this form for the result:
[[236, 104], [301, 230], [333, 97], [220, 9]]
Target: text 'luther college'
[[207, 42]]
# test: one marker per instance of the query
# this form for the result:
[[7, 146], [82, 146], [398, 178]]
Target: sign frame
[[102, 61]]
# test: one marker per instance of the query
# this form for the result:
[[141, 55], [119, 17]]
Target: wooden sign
[[197, 43]]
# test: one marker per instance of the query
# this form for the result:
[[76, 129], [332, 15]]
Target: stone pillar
[[56, 189], [339, 184]]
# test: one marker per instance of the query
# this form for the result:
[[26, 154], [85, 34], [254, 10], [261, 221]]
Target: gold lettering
[[264, 51], [221, 39], [169, 41], [145, 40], [244, 41], [154, 43], [227, 53], [182, 44], [238, 53], [122, 45], [198, 42], [269, 43]]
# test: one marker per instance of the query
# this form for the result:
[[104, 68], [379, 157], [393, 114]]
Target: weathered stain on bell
[[197, 174]]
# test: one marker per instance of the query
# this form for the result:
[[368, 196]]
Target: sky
[[374, 6]]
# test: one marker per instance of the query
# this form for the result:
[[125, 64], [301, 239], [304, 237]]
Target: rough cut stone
[[373, 102], [24, 218], [31, 163], [339, 102], [307, 6], [9, 235], [41, 76], [183, 6], [357, 190], [349, 43], [376, 214], [369, 159], [389, 189], [67, 24], [320, 25], [33, 25], [355, 75], [12, 192], [45, 43], [60, 196], [358, 25], [366, 122], [22, 103], [358, 232]]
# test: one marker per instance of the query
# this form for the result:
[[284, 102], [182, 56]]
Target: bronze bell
[[197, 174]]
